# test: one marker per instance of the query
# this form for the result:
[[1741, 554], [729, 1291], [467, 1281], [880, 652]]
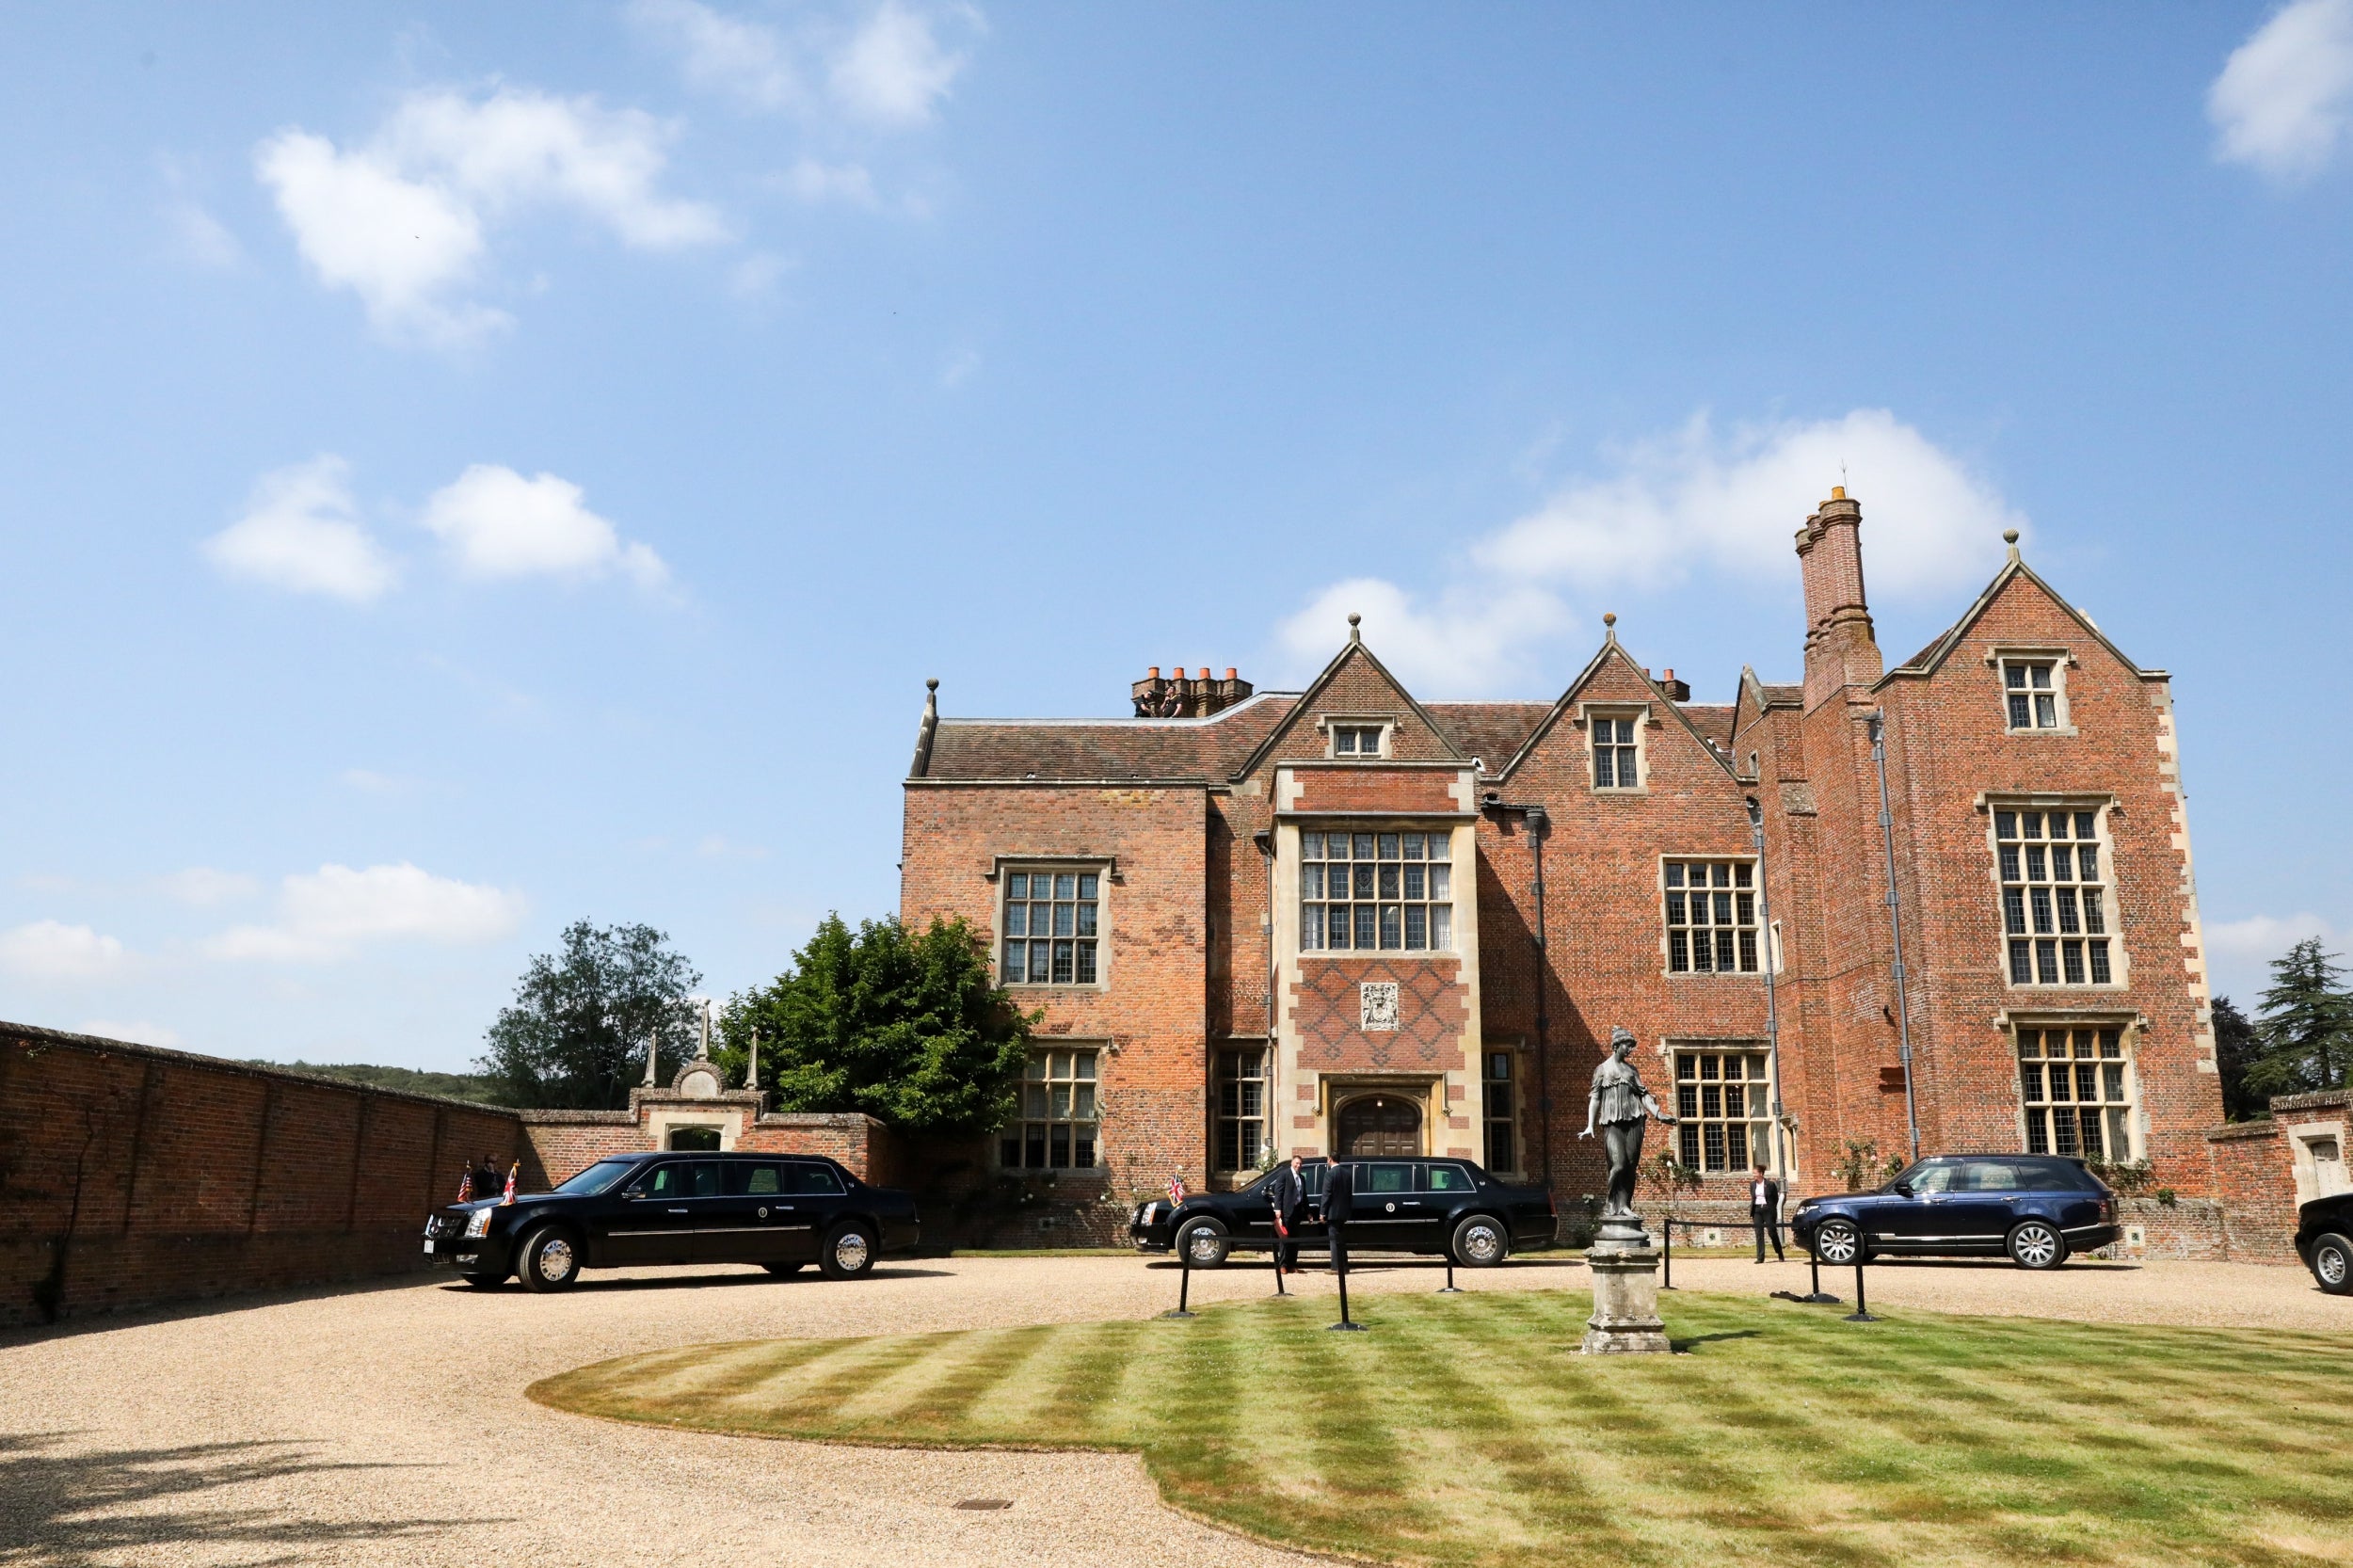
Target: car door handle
[[677, 1211]]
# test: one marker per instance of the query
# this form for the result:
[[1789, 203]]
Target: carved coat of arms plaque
[[1378, 1004]]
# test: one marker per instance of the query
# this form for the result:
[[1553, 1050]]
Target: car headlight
[[480, 1223]]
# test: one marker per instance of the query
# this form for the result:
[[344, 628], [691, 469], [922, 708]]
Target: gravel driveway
[[387, 1425]]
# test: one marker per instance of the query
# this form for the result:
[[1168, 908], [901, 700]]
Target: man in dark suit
[[1765, 1213], [1287, 1195], [1339, 1206]]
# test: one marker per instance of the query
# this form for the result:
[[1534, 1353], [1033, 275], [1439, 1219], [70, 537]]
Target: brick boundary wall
[[132, 1176], [561, 1143]]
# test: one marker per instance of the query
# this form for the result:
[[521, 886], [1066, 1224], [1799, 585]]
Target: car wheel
[[2332, 1264], [849, 1251], [550, 1260], [2036, 1245], [1838, 1242], [782, 1270], [484, 1281], [1481, 1242], [1202, 1243]]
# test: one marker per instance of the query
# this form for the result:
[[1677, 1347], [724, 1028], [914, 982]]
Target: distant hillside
[[461, 1086]]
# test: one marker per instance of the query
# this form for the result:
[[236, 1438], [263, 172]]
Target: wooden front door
[[1380, 1126]]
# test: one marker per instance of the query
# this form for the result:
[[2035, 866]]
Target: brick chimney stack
[[1178, 696], [1840, 649]]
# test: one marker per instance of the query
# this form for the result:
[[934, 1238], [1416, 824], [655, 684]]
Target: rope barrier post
[[1340, 1267], [1184, 1281], [1862, 1313], [1278, 1271], [1667, 1279], [1449, 1289]]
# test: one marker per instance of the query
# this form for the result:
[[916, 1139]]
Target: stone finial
[[2009, 537], [929, 727], [1354, 621], [1609, 624]]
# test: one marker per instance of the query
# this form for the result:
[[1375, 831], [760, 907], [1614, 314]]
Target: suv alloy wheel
[[550, 1260], [2034, 1245], [1838, 1242], [2332, 1264]]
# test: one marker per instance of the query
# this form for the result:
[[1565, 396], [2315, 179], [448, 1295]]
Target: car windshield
[[597, 1177], [1929, 1175]]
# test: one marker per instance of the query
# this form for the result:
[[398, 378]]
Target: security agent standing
[[1339, 1206], [1287, 1195], [1765, 1213]]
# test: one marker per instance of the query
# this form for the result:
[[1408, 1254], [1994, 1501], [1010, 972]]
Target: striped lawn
[[1465, 1429]]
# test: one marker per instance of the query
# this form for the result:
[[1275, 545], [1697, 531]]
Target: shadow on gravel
[[591, 1285], [62, 1509]]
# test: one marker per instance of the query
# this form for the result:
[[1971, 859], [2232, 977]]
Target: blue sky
[[468, 469]]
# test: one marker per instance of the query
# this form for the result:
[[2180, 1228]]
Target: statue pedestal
[[1625, 1295]]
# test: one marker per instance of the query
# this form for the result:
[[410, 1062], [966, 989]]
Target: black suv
[[2035, 1208], [2324, 1240], [780, 1211], [1449, 1208]]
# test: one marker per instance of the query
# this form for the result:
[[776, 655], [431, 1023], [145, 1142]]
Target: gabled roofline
[[1355, 644], [1584, 677], [1931, 659]]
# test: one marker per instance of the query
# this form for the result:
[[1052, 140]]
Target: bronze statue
[[1622, 1106]]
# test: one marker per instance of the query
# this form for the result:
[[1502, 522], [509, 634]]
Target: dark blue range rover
[[2035, 1208]]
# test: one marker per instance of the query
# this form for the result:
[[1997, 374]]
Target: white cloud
[[497, 523], [2239, 953], [204, 886], [52, 950], [302, 533], [1694, 503], [2283, 103], [722, 53], [137, 1034], [889, 69], [815, 182], [402, 220], [894, 69], [202, 238], [328, 915]]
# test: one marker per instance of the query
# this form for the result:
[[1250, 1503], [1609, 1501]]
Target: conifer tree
[[2307, 1025]]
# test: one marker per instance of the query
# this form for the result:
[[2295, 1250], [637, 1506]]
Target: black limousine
[[1442, 1207], [2324, 1240], [780, 1211]]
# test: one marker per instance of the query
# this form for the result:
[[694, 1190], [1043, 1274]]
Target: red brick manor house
[[1344, 919]]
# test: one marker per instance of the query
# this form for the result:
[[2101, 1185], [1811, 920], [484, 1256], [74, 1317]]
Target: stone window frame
[[2101, 805], [1765, 946], [2130, 1026], [1640, 713], [1779, 1162], [1506, 1125], [1384, 727], [1376, 828], [1017, 1129], [2302, 1161], [2001, 656], [1238, 1117], [1108, 876]]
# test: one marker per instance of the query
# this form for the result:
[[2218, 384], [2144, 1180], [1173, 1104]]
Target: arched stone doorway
[[703, 1138], [1380, 1126]]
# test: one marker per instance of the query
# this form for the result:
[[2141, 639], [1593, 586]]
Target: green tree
[[2307, 1025], [910, 1029], [575, 1036], [2236, 1046]]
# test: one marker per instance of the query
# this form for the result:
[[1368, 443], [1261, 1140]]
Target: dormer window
[[1359, 740]]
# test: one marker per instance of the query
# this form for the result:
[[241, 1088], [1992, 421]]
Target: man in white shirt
[[1765, 1213]]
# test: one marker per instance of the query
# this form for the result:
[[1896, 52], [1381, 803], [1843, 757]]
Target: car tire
[[1202, 1243], [2037, 1244], [2332, 1264], [1837, 1242], [484, 1281], [848, 1252], [782, 1270], [548, 1260], [1480, 1242]]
